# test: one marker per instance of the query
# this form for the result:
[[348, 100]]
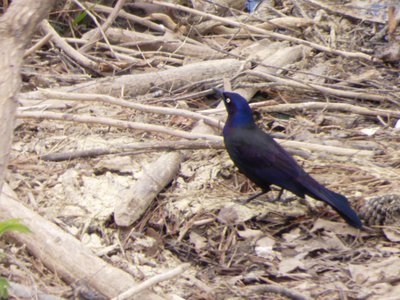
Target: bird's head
[[239, 111]]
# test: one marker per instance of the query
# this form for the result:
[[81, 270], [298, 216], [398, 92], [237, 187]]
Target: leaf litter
[[302, 247]]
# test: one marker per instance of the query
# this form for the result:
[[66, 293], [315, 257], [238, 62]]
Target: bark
[[154, 178], [17, 26]]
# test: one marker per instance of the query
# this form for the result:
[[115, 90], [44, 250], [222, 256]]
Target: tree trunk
[[17, 26]]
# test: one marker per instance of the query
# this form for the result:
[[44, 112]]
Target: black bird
[[258, 156]]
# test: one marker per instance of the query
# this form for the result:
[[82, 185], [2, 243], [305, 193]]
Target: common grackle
[[258, 156]]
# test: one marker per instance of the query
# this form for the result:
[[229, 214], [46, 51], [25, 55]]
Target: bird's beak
[[219, 92]]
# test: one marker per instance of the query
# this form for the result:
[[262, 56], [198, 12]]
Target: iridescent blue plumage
[[265, 162]]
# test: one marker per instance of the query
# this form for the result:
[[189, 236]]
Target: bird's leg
[[277, 198], [254, 197]]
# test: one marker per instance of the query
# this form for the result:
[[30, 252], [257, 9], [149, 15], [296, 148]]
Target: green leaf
[[4, 285], [13, 225], [79, 18]]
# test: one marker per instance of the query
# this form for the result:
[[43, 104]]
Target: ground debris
[[310, 70]]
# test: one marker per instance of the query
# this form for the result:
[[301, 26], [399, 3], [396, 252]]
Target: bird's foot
[[279, 198], [282, 200]]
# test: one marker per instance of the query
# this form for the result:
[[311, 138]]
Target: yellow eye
[[228, 100]]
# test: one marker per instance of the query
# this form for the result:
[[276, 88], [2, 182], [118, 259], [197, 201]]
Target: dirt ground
[[330, 101]]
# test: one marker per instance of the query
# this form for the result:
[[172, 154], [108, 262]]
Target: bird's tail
[[337, 201]]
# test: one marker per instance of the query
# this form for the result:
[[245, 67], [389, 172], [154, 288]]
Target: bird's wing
[[259, 150], [262, 160]]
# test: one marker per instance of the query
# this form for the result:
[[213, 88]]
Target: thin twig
[[101, 30], [94, 20], [153, 281], [38, 45]]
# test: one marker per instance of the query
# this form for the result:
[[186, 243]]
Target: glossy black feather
[[258, 156]]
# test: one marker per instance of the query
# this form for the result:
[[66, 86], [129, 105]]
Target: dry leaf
[[264, 248], [392, 234], [340, 228], [235, 214], [292, 235], [197, 240], [248, 233], [387, 270], [290, 264]]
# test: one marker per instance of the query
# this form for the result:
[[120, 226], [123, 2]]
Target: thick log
[[140, 84], [154, 178], [63, 254]]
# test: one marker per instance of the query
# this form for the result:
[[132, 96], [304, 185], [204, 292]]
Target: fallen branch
[[141, 84], [154, 177], [62, 253], [345, 107], [48, 94], [277, 289], [114, 123], [167, 43], [322, 89], [271, 34], [325, 149], [128, 149], [284, 22], [265, 106]]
